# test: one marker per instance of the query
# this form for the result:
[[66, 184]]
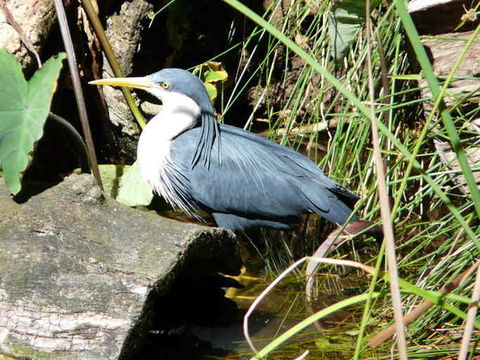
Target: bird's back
[[252, 181]]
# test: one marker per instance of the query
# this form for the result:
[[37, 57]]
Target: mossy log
[[77, 272]]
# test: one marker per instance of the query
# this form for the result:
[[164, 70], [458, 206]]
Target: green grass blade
[[360, 107], [437, 94], [300, 52], [310, 320]]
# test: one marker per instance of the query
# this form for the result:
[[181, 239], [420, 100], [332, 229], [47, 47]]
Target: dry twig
[[385, 206]]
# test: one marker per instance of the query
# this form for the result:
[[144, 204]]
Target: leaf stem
[[77, 86], [385, 210], [112, 60]]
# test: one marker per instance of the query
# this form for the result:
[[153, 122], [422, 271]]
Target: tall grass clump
[[324, 111]]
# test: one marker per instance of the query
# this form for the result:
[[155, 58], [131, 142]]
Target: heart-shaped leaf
[[344, 22], [24, 107], [134, 190], [124, 183]]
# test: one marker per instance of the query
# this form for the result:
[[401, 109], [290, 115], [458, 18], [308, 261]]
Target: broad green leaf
[[212, 91], [210, 73], [134, 190], [125, 184], [24, 108], [344, 21], [111, 175], [213, 76]]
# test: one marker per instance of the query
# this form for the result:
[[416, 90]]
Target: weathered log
[[441, 16], [443, 54], [34, 18], [124, 30], [443, 51], [78, 273]]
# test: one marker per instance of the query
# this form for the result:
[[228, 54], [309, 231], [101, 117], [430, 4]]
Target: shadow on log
[[79, 275]]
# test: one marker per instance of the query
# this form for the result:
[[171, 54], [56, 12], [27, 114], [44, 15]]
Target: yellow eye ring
[[165, 85]]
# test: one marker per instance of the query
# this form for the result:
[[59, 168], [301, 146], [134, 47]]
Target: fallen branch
[[422, 307]]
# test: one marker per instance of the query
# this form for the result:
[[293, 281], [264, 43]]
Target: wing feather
[[256, 178]]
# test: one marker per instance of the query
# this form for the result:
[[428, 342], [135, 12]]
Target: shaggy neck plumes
[[179, 114]]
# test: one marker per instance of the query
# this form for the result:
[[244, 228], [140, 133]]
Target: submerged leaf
[[24, 107]]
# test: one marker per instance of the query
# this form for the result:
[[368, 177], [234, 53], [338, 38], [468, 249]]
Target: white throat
[[179, 113]]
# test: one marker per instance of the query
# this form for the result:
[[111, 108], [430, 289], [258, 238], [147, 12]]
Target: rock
[[78, 273]]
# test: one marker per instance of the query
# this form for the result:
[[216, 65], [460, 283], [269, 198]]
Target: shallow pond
[[199, 322]]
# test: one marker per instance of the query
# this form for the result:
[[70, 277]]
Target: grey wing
[[256, 178]]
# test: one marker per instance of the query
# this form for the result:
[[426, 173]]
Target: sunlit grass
[[435, 227]]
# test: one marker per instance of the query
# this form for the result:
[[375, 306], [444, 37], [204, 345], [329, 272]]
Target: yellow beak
[[133, 82]]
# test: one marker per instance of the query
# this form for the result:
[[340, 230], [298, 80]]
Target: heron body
[[242, 179]]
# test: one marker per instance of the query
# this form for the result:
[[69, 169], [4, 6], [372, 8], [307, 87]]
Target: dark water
[[200, 322]]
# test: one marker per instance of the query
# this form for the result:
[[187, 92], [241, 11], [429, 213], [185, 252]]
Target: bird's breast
[[153, 154]]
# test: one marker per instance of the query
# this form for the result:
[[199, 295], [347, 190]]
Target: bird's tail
[[333, 202], [338, 213]]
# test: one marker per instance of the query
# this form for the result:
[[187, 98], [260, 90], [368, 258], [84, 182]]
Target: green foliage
[[435, 229], [134, 190], [309, 321], [211, 73], [125, 184], [24, 107], [345, 20], [111, 175], [438, 94]]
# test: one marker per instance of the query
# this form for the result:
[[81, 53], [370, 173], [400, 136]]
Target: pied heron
[[242, 179]]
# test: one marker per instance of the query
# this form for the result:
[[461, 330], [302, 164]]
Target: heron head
[[166, 85], [181, 91]]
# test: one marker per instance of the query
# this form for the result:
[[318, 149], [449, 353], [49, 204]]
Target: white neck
[[179, 113]]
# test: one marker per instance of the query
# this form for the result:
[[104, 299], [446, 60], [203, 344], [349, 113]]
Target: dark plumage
[[257, 182], [242, 179]]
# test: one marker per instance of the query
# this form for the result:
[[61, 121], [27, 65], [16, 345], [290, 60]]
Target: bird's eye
[[165, 85]]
